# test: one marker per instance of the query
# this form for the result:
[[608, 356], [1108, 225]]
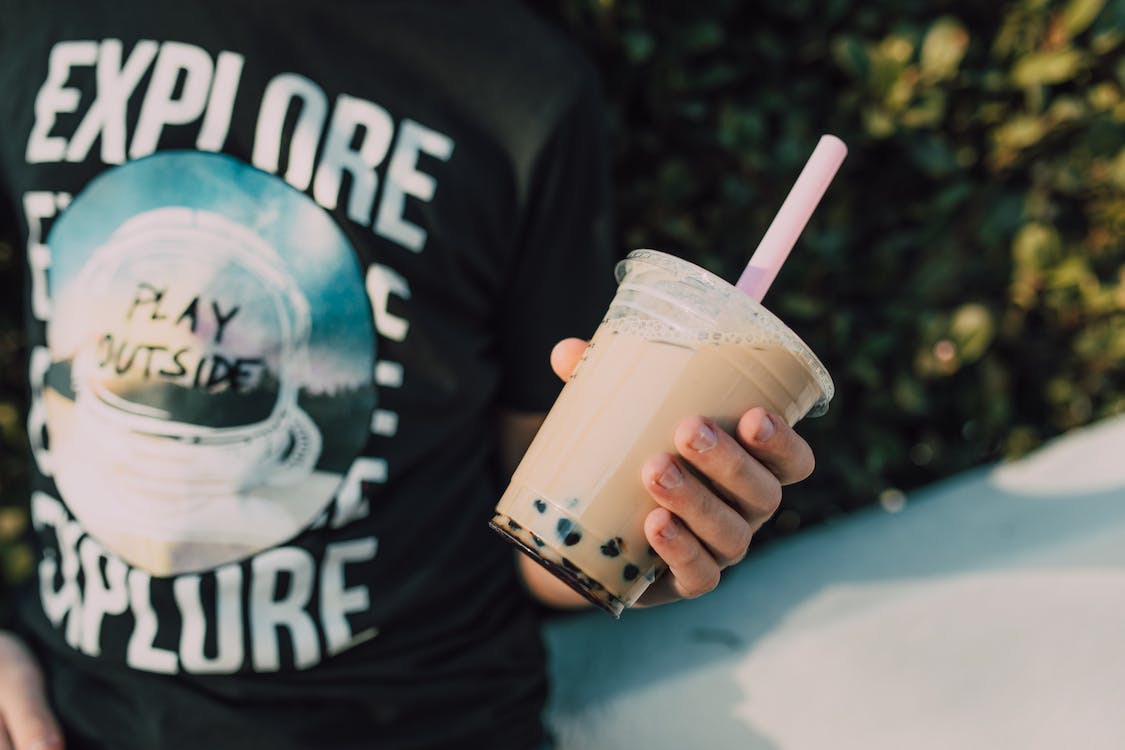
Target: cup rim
[[789, 338]]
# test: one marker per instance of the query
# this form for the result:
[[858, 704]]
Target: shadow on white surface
[[988, 613]]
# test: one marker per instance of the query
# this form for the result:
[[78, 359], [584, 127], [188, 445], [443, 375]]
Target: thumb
[[24, 711], [566, 355]]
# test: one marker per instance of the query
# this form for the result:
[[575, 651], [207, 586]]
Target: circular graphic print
[[211, 356]]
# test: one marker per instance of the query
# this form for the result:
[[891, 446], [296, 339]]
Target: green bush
[[964, 277], [14, 558]]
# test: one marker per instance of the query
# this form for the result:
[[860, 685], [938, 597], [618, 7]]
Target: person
[[295, 274]]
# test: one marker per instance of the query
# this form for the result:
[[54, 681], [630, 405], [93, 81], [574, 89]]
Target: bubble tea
[[677, 341]]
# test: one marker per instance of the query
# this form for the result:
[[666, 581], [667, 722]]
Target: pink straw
[[792, 217]]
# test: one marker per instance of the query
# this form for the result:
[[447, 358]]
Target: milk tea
[[677, 342]]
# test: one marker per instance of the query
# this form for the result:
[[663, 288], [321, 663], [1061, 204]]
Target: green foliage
[[14, 557], [964, 278]]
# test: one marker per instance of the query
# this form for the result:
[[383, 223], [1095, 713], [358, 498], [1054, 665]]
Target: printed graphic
[[212, 352]]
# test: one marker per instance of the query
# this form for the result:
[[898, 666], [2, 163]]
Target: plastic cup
[[677, 341]]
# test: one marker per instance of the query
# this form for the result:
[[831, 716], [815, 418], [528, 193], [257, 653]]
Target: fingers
[[738, 477], [24, 712], [566, 355], [709, 513], [775, 444], [692, 569], [724, 530], [694, 532]]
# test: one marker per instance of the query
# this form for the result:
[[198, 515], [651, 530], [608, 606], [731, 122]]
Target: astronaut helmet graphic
[[199, 343], [185, 445], [207, 380]]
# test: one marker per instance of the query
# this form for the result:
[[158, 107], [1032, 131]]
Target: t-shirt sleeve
[[562, 278]]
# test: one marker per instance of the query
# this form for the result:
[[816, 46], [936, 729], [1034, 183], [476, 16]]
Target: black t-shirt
[[286, 260]]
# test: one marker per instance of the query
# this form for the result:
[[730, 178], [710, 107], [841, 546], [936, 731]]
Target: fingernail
[[50, 742], [670, 531], [766, 429], [671, 477], [704, 439]]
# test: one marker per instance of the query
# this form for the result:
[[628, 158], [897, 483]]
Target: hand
[[26, 721], [702, 527]]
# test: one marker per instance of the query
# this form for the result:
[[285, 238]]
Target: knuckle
[[768, 500], [677, 500], [704, 585], [739, 545], [687, 555], [740, 474], [739, 470], [801, 462], [696, 580], [808, 467], [694, 593]]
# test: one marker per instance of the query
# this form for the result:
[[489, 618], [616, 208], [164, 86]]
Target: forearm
[[516, 432], [545, 587]]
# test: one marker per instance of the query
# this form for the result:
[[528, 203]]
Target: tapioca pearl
[[538, 542], [572, 538], [612, 548], [572, 502], [514, 526], [630, 572], [540, 505], [564, 527]]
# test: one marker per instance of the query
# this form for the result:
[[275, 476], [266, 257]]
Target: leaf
[[864, 371], [1073, 273], [639, 45], [740, 128], [1066, 109], [851, 56], [889, 60], [1020, 132], [9, 419], [1036, 247], [933, 156], [703, 36], [1117, 169], [878, 123], [952, 197], [1103, 97], [897, 48], [1044, 68], [943, 49], [1079, 14], [909, 395], [973, 328], [802, 306], [715, 76]]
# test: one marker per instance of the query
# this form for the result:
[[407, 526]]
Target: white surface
[[988, 613]]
